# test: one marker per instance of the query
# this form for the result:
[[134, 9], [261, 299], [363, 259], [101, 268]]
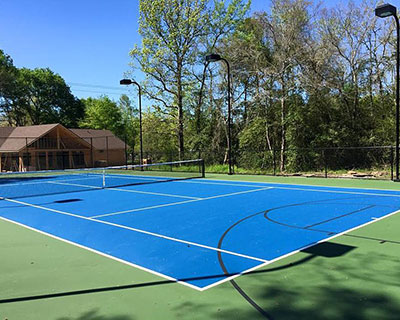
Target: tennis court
[[182, 227]]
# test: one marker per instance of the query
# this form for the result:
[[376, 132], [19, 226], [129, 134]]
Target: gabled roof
[[14, 139], [98, 138]]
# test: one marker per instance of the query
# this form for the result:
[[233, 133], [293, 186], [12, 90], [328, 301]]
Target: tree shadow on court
[[324, 303], [94, 315], [328, 281], [359, 286]]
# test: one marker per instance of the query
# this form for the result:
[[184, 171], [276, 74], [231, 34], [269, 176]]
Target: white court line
[[265, 262], [155, 193], [75, 185], [276, 186], [341, 192], [125, 190], [143, 209], [42, 182], [181, 202], [136, 230], [104, 254], [254, 183], [297, 251], [142, 177]]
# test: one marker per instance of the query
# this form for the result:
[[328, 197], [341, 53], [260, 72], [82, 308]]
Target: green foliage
[[159, 134], [36, 96], [130, 120], [47, 99], [176, 35], [303, 78], [103, 113]]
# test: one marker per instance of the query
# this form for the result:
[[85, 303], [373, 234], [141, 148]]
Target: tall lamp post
[[383, 11], [128, 82], [214, 58]]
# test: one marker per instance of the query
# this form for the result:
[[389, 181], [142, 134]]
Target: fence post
[[108, 162], [325, 163], [274, 161], [28, 155], [126, 154], [233, 162], [391, 162], [91, 152]]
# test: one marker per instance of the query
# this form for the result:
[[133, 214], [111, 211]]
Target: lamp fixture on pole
[[129, 82], [213, 57]]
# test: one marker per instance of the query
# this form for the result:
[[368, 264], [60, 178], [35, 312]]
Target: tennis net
[[31, 184]]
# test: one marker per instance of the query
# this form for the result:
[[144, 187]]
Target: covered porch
[[58, 148]]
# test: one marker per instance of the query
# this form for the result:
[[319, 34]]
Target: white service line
[[180, 202], [155, 193], [127, 190], [42, 182], [133, 177], [75, 185], [136, 230], [143, 209]]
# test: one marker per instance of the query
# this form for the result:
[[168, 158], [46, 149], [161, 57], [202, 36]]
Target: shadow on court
[[328, 249], [325, 283], [357, 286], [94, 315]]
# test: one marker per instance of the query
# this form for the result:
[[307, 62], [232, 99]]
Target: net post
[[203, 168], [104, 178]]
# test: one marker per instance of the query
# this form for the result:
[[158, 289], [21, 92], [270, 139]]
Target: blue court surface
[[200, 232]]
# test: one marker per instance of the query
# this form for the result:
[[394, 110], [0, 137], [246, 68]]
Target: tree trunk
[[180, 113], [283, 126], [200, 100]]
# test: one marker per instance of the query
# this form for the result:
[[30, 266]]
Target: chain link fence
[[68, 152], [341, 162]]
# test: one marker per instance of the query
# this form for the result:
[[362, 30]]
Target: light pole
[[383, 11], [214, 58], [128, 82]]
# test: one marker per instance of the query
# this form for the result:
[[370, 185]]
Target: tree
[[288, 29], [169, 29], [173, 32], [103, 113], [8, 89], [158, 134], [36, 96], [248, 50], [47, 98], [130, 120]]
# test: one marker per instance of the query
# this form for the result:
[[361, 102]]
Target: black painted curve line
[[233, 282], [222, 264]]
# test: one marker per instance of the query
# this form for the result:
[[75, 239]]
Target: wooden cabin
[[52, 146]]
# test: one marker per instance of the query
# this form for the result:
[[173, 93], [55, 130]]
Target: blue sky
[[85, 41]]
